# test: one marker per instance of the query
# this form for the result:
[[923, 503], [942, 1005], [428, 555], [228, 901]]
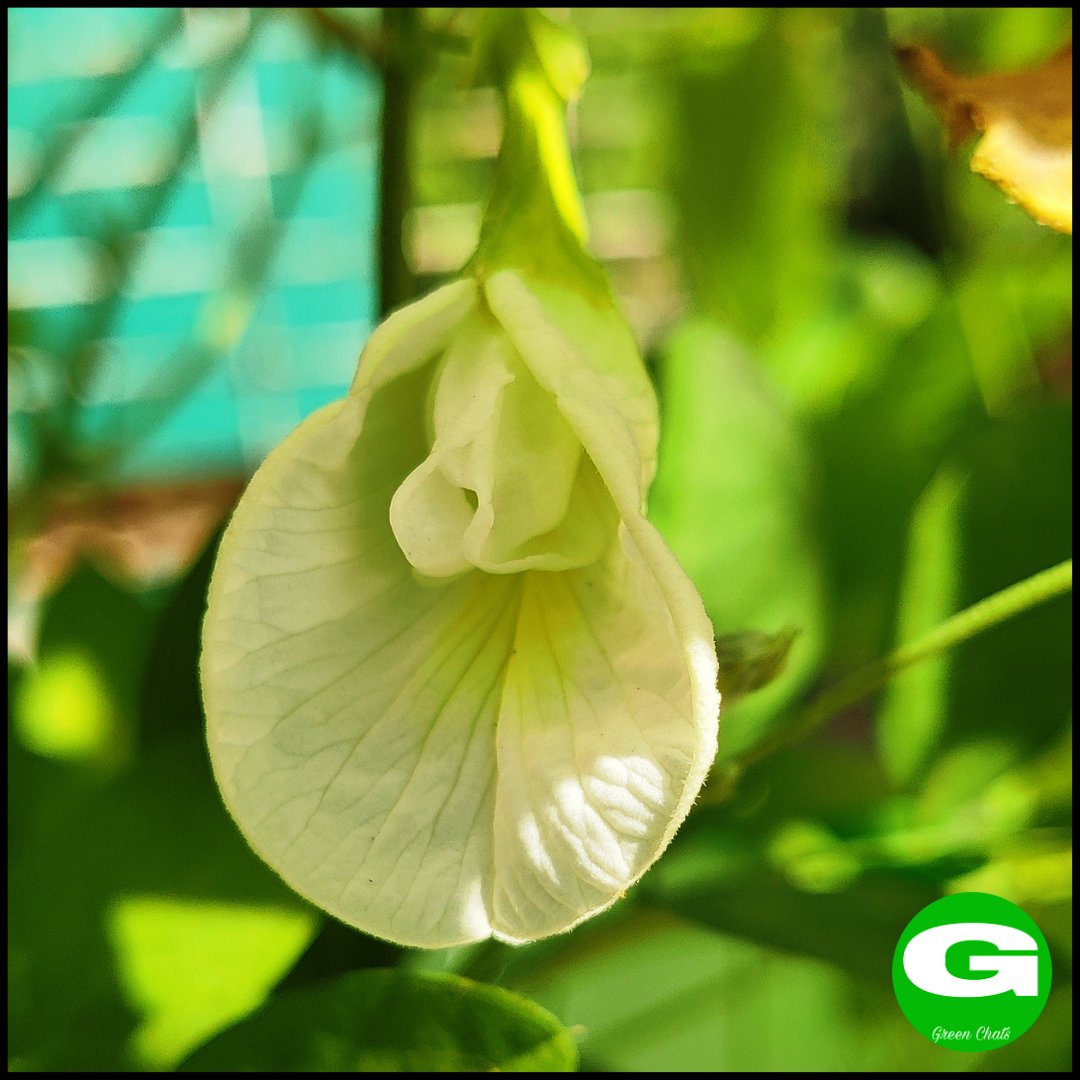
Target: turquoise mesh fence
[[192, 205]]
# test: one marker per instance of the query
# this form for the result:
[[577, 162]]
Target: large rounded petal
[[351, 709], [603, 740], [436, 762]]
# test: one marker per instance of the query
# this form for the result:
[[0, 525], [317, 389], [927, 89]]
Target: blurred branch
[[347, 34], [373, 51], [860, 684], [400, 39], [397, 56]]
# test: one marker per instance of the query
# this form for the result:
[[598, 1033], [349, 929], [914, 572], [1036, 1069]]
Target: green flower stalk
[[456, 685]]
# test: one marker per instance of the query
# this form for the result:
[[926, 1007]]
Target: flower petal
[[603, 741], [584, 354], [436, 763], [505, 487], [430, 512], [351, 709], [414, 334]]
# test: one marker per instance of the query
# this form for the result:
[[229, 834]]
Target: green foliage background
[[863, 366]]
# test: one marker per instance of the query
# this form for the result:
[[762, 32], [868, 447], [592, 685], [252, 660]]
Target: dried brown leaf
[[1025, 118]]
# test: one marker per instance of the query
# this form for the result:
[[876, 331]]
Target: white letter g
[[924, 961]]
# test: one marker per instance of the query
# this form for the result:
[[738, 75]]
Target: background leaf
[[656, 994], [139, 919], [733, 499], [393, 1021]]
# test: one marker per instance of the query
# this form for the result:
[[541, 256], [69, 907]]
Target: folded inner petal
[[506, 486], [437, 502], [536, 457]]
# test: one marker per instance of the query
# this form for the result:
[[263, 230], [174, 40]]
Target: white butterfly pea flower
[[456, 685]]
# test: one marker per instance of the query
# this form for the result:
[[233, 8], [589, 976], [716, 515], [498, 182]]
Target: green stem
[[534, 173], [966, 624], [537, 66]]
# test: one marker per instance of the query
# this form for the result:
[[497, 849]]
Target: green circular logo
[[972, 971]]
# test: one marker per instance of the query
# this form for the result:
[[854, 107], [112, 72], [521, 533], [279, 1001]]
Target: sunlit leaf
[[706, 1002], [393, 1021], [1025, 119], [733, 497], [912, 710], [139, 921], [190, 966], [1023, 876], [64, 711], [79, 699]]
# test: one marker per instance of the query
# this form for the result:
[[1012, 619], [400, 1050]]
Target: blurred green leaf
[[79, 701], [998, 37], [912, 711], [1007, 688], [393, 1021], [140, 922], [732, 497], [1023, 876], [981, 797], [837, 779], [880, 449], [754, 196], [336, 949], [1047, 1047], [656, 994], [1016, 519], [856, 927]]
